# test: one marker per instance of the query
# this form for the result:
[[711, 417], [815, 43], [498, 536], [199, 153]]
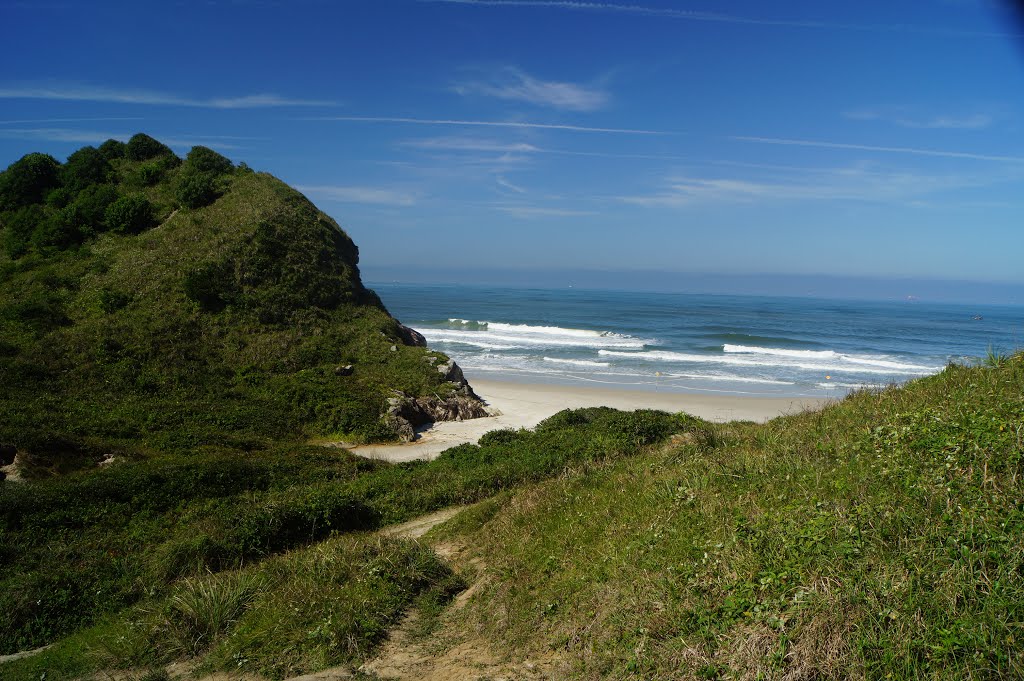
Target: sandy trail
[[525, 405]]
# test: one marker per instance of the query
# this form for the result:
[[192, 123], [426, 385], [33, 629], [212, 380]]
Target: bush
[[64, 229], [112, 149], [91, 205], [206, 160], [129, 214], [212, 286], [85, 167], [19, 226], [28, 180], [196, 189], [142, 147]]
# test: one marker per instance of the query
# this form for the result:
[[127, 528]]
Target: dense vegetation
[[150, 304], [882, 537], [208, 530]]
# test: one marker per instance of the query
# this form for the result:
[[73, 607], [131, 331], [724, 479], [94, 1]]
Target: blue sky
[[867, 139]]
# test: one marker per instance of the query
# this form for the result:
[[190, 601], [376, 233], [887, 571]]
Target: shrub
[[28, 180], [212, 286], [112, 149], [129, 214], [85, 167], [91, 205], [64, 229], [19, 226], [206, 160], [196, 189], [142, 147]]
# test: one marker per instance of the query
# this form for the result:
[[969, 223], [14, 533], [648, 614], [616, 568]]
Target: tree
[[142, 147], [85, 167], [27, 181], [196, 189], [130, 214], [206, 160]]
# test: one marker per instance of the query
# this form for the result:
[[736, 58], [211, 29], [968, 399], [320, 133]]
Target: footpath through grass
[[177, 557], [882, 537]]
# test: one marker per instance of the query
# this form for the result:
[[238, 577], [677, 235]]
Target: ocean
[[698, 343]]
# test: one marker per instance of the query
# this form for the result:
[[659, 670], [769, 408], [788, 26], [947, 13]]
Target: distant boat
[[977, 317]]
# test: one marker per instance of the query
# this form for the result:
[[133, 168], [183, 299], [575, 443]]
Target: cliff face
[[226, 311]]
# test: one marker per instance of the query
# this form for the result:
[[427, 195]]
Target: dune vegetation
[[192, 336]]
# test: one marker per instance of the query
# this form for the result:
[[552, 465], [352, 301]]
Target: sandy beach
[[524, 405]]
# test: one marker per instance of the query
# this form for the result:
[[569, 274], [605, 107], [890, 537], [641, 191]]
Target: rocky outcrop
[[411, 336], [406, 413]]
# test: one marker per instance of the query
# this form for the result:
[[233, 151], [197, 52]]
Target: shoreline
[[524, 405]]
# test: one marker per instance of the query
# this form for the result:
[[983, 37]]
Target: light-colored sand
[[525, 405]]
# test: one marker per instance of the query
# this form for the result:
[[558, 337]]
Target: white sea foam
[[577, 362], [732, 378], [833, 385], [780, 352], [839, 363], [520, 335]]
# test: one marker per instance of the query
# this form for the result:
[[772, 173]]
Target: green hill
[[150, 304]]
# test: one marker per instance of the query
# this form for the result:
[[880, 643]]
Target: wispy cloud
[[360, 194], [502, 182], [541, 211], [972, 122], [516, 85], [883, 149], [489, 124], [470, 144], [98, 137], [91, 93], [41, 121], [828, 184], [692, 15]]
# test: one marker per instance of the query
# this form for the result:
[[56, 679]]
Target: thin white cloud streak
[[360, 194], [469, 144], [89, 93], [848, 185], [40, 121], [488, 124], [515, 85], [973, 122], [539, 211], [98, 137], [691, 15], [888, 150], [502, 182]]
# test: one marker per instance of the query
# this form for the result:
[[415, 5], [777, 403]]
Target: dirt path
[[416, 528]]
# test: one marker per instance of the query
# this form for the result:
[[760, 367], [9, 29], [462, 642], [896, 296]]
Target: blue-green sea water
[[697, 342]]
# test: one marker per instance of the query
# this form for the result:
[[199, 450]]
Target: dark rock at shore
[[411, 336], [405, 413]]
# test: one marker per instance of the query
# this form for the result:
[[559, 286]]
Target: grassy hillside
[[128, 541], [882, 537], [154, 305]]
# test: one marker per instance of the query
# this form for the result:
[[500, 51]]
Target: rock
[[405, 413], [344, 371], [394, 348], [411, 336], [7, 454], [452, 372]]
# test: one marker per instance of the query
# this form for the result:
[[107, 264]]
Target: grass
[[311, 609], [878, 538], [222, 328], [88, 545]]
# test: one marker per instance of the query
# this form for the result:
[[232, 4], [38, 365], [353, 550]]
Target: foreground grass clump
[[318, 607], [882, 537], [86, 545]]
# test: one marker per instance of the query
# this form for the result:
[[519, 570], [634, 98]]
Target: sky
[[867, 139]]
